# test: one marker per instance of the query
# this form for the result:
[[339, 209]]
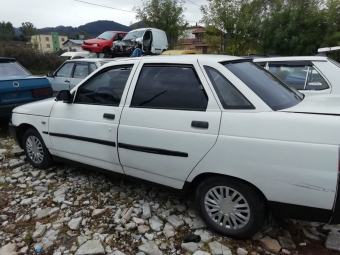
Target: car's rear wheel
[[231, 207], [35, 149]]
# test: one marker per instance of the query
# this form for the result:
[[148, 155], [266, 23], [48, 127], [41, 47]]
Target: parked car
[[221, 126], [71, 72], [181, 52], [18, 86], [151, 41], [310, 75], [103, 42]]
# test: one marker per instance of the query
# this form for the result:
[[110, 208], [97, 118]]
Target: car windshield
[[106, 35], [94, 55], [134, 34], [12, 69], [275, 93]]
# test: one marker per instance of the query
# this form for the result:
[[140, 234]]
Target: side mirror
[[50, 75], [65, 96]]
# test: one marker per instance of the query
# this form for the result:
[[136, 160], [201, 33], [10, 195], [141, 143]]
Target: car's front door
[[80, 71], [86, 130], [170, 121], [62, 77]]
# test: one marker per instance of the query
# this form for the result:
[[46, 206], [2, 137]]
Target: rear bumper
[[91, 48], [13, 131]]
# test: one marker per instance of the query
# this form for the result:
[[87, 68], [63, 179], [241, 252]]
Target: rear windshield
[[275, 93], [12, 69]]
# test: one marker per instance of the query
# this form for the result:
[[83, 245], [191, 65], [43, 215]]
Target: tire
[[34, 146], [245, 193], [106, 50]]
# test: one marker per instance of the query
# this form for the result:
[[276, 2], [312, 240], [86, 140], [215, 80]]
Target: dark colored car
[[18, 86]]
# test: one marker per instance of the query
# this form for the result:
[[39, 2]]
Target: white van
[[153, 41]]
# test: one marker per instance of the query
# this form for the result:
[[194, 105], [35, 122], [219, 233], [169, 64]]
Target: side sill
[[299, 212], [179, 192]]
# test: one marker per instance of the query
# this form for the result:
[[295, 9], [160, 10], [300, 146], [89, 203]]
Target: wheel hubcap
[[34, 149], [227, 207]]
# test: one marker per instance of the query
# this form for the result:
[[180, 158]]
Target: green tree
[[6, 31], [167, 15], [28, 29]]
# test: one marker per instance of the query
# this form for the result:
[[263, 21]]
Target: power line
[[193, 3], [104, 6]]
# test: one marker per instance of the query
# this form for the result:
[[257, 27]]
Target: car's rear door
[[80, 71], [62, 77], [86, 130], [169, 123]]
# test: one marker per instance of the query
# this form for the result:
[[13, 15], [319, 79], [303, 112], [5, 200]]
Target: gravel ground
[[69, 210]]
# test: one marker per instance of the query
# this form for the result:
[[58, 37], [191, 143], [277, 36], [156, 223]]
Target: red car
[[103, 42]]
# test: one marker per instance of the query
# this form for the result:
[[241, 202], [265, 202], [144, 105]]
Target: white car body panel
[[291, 156]]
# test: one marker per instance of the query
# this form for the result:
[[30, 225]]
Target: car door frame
[[66, 62], [212, 107]]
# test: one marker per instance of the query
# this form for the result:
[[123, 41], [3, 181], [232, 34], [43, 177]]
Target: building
[[48, 43], [187, 34], [72, 45], [194, 40]]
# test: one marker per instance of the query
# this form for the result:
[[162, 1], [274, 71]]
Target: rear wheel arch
[[192, 186]]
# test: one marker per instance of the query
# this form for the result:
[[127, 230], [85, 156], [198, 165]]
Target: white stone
[[217, 248], [190, 247], [74, 224], [241, 251], [138, 221], [39, 232], [42, 213], [97, 212], [8, 249], [91, 247], [149, 236], [201, 253], [175, 221], [168, 230], [146, 211], [26, 201], [155, 223], [150, 248], [333, 241]]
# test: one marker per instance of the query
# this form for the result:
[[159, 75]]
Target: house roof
[[199, 30]]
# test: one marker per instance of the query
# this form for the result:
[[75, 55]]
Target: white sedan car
[[310, 75], [220, 126]]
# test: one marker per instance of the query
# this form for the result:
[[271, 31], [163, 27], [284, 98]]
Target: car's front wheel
[[231, 207], [35, 149]]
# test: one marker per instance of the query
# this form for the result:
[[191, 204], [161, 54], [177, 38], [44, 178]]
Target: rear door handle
[[109, 116], [200, 124], [67, 81]]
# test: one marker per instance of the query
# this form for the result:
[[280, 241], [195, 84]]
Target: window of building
[[48, 46], [63, 39], [47, 39], [169, 87], [200, 38]]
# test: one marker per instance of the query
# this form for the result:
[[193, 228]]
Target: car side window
[[93, 67], [81, 71], [294, 76], [230, 97], [106, 88], [315, 81], [65, 70], [169, 87]]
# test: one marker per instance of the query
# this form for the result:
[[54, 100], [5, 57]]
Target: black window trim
[[220, 97], [94, 76], [170, 65]]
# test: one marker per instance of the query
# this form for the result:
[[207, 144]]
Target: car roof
[[89, 60], [217, 58], [6, 60], [306, 58]]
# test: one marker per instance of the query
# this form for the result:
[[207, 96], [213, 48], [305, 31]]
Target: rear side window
[[169, 87], [65, 70], [81, 71], [230, 97], [275, 93]]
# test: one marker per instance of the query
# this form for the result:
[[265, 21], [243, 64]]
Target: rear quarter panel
[[292, 158]]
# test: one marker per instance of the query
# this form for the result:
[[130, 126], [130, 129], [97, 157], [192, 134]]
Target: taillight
[[45, 92]]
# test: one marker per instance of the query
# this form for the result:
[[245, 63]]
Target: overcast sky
[[52, 13]]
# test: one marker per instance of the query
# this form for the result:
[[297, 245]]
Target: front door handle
[[109, 116], [200, 124], [67, 81]]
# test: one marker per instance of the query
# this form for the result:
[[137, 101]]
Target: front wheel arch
[[21, 129]]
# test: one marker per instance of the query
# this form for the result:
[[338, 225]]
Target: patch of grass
[[63, 229], [28, 238]]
